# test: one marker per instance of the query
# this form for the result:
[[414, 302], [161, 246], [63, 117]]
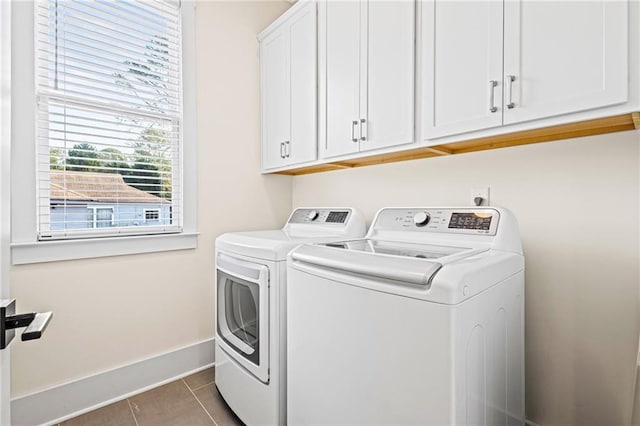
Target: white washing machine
[[251, 299], [419, 323]]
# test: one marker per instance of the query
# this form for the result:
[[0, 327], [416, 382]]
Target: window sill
[[53, 251]]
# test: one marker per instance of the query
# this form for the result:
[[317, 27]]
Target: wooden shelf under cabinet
[[617, 123]]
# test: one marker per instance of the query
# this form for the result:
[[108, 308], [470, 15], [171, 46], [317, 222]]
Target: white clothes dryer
[[250, 344], [420, 323]]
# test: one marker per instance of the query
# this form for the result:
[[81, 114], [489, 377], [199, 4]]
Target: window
[[152, 215], [51, 196], [101, 217], [109, 104]]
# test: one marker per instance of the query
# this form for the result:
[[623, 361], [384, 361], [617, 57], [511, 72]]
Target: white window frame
[[25, 247], [159, 211]]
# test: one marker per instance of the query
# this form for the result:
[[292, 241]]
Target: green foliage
[[152, 164], [55, 159], [145, 174], [83, 158], [114, 159]]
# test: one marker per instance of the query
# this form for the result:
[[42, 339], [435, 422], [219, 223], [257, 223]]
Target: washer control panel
[[320, 216], [475, 221]]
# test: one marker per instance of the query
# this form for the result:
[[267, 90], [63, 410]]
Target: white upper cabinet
[[340, 84], [463, 66], [275, 95], [340, 58], [303, 86], [288, 73], [366, 76], [564, 56], [555, 57]]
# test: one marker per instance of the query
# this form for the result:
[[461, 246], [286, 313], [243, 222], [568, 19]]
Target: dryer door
[[243, 313]]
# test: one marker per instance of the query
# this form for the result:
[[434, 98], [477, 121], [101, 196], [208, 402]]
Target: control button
[[421, 219], [312, 215]]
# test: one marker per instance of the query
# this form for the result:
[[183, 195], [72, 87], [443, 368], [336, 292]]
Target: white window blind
[[109, 94]]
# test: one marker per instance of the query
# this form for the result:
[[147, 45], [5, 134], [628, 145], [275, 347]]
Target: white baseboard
[[69, 400]]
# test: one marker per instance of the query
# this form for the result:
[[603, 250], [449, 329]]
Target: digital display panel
[[337, 217], [470, 221]]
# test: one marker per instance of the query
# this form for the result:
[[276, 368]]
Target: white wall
[[577, 204], [582, 270], [112, 311]]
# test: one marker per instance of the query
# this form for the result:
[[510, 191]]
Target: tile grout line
[[200, 387], [132, 412], [205, 410]]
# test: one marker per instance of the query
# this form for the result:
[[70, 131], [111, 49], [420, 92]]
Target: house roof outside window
[[97, 187]]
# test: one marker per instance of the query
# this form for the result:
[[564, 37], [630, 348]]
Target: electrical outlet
[[479, 191]]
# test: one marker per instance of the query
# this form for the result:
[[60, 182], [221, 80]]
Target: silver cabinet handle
[[287, 149], [353, 131], [492, 90], [363, 134], [281, 149], [511, 79]]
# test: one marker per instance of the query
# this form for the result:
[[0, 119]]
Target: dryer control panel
[[475, 221], [320, 216]]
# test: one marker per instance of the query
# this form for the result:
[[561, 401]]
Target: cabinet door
[[387, 83], [566, 56], [462, 53], [302, 60], [275, 99], [341, 59]]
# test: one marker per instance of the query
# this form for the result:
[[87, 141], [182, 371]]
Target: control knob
[[421, 219], [312, 215]]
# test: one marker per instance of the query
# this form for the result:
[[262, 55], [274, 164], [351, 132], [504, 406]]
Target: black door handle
[[35, 322]]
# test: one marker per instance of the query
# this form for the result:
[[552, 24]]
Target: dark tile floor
[[192, 401]]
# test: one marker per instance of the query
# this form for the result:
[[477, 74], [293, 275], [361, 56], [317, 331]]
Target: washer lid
[[404, 262], [268, 245], [305, 225], [393, 248]]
